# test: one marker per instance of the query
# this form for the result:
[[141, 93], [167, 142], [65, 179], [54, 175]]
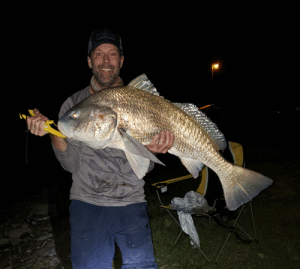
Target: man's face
[[105, 63]]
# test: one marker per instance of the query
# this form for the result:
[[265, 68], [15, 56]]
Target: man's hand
[[162, 142], [36, 127], [36, 124]]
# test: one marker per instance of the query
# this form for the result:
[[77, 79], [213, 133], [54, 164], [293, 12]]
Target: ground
[[276, 212]]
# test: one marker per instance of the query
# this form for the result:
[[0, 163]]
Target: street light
[[214, 67]]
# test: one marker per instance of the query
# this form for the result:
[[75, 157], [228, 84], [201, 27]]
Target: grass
[[276, 216], [276, 213]]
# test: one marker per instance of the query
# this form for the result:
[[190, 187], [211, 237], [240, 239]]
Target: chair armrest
[[170, 181]]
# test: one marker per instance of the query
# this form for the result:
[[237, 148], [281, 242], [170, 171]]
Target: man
[[108, 202]]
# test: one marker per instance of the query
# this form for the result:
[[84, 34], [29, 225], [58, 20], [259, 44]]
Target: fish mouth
[[62, 129]]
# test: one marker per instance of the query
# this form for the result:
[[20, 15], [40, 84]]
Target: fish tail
[[241, 185]]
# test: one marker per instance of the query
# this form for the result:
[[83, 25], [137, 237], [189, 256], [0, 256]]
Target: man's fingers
[[40, 126], [162, 138], [155, 140], [169, 141], [36, 112], [162, 142], [172, 139], [168, 138], [166, 141], [36, 124]]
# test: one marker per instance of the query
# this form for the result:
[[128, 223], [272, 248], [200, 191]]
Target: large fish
[[128, 117]]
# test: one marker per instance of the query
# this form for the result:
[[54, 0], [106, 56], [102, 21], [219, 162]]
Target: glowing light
[[215, 66]]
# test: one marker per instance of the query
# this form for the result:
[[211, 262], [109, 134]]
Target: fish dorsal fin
[[210, 127], [143, 83]]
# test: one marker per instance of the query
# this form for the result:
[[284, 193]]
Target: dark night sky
[[254, 45]]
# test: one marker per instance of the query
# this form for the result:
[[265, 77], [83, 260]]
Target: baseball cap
[[100, 37]]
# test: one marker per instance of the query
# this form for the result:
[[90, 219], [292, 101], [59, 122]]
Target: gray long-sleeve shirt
[[100, 176]]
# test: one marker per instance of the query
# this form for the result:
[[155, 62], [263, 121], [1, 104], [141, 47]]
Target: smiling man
[[105, 61], [108, 201]]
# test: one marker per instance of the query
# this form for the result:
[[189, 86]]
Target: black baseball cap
[[100, 37]]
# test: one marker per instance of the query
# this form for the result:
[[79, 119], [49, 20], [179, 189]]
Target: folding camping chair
[[236, 152]]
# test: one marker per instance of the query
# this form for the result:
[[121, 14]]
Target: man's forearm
[[67, 153], [59, 142]]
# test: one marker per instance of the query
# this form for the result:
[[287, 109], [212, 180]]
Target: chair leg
[[236, 224], [188, 236], [177, 238], [194, 245], [253, 221], [229, 233], [181, 229], [200, 250]]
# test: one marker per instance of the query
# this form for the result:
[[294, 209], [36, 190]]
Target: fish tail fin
[[241, 185]]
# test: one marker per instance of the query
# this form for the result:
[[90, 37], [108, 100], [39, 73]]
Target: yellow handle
[[47, 126], [31, 112], [49, 129]]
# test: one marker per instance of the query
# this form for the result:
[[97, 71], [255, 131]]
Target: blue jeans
[[96, 229]]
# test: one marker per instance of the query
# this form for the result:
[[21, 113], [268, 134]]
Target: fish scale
[[128, 118], [143, 127]]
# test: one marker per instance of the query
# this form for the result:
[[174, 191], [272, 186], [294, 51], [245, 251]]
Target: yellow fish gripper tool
[[47, 126]]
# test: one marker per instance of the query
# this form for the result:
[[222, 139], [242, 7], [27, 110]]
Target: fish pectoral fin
[[136, 148], [192, 165], [138, 164]]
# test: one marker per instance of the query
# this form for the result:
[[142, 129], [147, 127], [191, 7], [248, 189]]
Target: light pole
[[214, 67]]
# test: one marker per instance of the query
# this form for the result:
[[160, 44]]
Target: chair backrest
[[204, 180], [237, 152]]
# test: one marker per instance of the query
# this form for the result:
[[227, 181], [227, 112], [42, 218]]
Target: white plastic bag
[[193, 202]]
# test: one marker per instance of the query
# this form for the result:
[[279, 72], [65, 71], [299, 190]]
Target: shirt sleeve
[[70, 159]]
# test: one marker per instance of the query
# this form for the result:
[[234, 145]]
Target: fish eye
[[75, 115]]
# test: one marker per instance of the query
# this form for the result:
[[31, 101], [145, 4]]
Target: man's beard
[[104, 82]]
